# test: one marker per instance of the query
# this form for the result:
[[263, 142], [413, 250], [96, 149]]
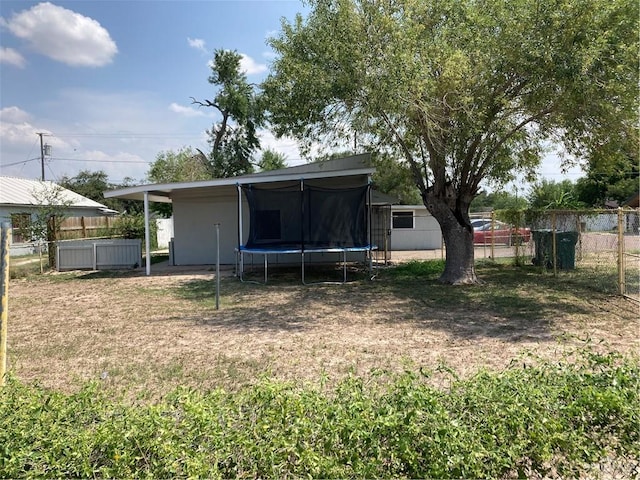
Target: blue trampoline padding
[[365, 248]]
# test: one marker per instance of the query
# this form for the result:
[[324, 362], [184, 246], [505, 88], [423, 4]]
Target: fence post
[[554, 243], [621, 275], [493, 230], [5, 235]]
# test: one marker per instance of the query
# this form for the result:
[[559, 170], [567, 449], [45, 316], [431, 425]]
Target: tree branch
[[206, 103]]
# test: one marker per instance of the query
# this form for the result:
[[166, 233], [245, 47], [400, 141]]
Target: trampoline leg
[[241, 269], [344, 266], [303, 282]]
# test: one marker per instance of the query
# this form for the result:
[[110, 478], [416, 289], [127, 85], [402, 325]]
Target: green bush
[[132, 226], [529, 420]]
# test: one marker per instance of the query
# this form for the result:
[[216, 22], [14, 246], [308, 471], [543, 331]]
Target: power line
[[127, 135], [99, 161], [18, 163]]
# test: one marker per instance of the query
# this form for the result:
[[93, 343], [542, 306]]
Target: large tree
[[233, 137], [465, 91]]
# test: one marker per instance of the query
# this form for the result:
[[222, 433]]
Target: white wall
[[425, 234], [165, 231], [194, 239]]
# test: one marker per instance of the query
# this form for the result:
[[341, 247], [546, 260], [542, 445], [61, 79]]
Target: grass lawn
[[147, 335], [118, 375]]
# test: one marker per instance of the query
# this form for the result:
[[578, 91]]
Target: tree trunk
[[452, 213], [459, 267], [51, 241]]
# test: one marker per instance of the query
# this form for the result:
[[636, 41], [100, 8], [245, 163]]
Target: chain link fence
[[605, 244]]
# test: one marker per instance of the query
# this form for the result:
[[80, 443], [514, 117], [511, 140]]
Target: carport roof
[[343, 167]]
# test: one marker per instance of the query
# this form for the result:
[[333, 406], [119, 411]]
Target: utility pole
[[45, 150], [40, 134]]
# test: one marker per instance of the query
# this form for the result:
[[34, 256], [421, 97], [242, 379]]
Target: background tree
[[185, 165], [88, 184], [550, 195], [233, 139], [44, 227], [394, 178], [93, 185], [463, 91], [498, 201], [391, 177], [272, 160], [612, 170]]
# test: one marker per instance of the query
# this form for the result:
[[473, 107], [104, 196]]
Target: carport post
[[217, 266], [147, 233]]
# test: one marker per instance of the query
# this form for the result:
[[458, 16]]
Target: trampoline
[[301, 219]]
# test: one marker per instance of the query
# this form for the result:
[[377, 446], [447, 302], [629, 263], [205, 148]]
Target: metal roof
[[28, 192], [342, 167]]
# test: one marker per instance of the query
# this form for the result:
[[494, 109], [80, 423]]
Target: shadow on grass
[[514, 304]]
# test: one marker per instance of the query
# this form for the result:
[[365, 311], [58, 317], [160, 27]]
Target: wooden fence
[[85, 227]]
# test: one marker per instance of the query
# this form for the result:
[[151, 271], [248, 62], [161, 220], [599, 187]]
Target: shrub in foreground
[[564, 417]]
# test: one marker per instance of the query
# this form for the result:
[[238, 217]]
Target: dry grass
[[145, 335]]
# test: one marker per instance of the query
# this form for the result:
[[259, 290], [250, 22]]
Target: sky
[[109, 82]]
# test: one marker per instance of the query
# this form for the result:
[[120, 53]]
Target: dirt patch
[[149, 334]]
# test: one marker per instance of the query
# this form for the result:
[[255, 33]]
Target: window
[[268, 225], [402, 220], [20, 223]]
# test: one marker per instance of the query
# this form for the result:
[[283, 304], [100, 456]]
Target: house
[[230, 205], [414, 228], [21, 199]]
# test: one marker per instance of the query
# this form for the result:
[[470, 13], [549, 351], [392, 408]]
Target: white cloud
[[186, 111], [250, 66], [119, 133], [197, 43], [13, 115], [63, 35], [12, 57], [269, 55], [286, 146]]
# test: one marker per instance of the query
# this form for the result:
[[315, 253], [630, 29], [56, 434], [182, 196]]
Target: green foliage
[[612, 171], [233, 139], [463, 91], [271, 160], [132, 226], [552, 195], [93, 185], [185, 165], [532, 419], [497, 201], [88, 184], [395, 178]]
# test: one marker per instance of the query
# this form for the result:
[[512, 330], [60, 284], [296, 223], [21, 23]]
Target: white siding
[[425, 234], [194, 240]]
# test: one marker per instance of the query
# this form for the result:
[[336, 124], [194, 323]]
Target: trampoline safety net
[[307, 218]]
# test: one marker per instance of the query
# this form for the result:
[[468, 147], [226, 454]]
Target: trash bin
[[565, 249]]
